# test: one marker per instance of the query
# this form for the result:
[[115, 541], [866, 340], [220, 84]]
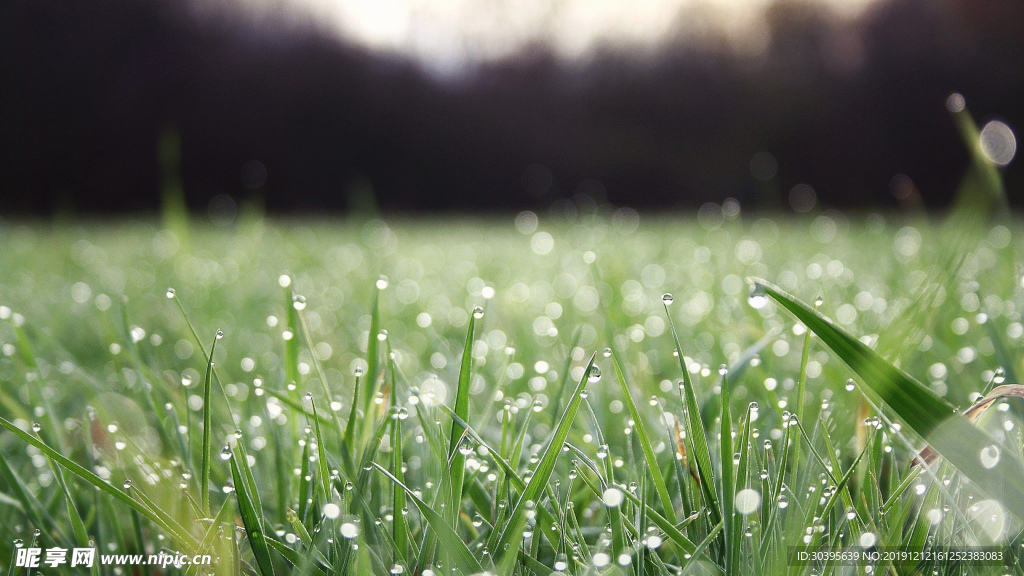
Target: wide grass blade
[[184, 539], [925, 412], [251, 511]]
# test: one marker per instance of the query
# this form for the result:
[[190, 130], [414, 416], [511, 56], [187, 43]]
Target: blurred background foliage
[[106, 103]]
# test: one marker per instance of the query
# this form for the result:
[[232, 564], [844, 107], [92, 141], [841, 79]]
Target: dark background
[[306, 122]]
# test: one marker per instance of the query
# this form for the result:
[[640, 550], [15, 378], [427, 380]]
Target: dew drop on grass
[[990, 456], [18, 543], [868, 539], [748, 501], [819, 300], [331, 510], [36, 427], [607, 352], [999, 376], [478, 312], [595, 374], [358, 371], [170, 293], [397, 569], [299, 302], [382, 282], [612, 497], [783, 501], [757, 299], [850, 385], [667, 298], [127, 484], [225, 453], [382, 335]]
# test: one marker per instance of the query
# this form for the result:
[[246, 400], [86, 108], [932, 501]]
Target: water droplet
[[225, 453], [349, 530], [298, 302], [955, 102], [607, 352], [723, 370], [999, 376], [170, 293], [382, 282], [478, 312], [850, 385], [219, 334], [612, 497], [36, 427], [667, 298], [127, 484], [747, 501], [331, 510], [783, 501], [998, 143], [818, 301], [990, 456], [757, 299], [18, 543], [595, 374]]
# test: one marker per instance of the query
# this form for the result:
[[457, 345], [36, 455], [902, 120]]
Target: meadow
[[585, 391]]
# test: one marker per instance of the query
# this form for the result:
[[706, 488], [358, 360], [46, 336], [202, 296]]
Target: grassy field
[[507, 395]]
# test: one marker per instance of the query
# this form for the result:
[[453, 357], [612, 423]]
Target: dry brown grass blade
[[928, 455], [681, 448]]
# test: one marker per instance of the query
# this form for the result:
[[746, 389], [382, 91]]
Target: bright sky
[[447, 34]]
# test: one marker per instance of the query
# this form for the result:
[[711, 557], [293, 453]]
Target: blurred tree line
[[91, 91]]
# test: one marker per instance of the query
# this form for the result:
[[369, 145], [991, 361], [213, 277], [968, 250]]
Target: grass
[[513, 398]]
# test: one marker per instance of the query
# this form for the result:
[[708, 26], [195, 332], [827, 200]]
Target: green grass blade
[[204, 481], [956, 440], [507, 548], [457, 469], [251, 512], [645, 445], [372, 355], [160, 518], [695, 432], [450, 542]]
